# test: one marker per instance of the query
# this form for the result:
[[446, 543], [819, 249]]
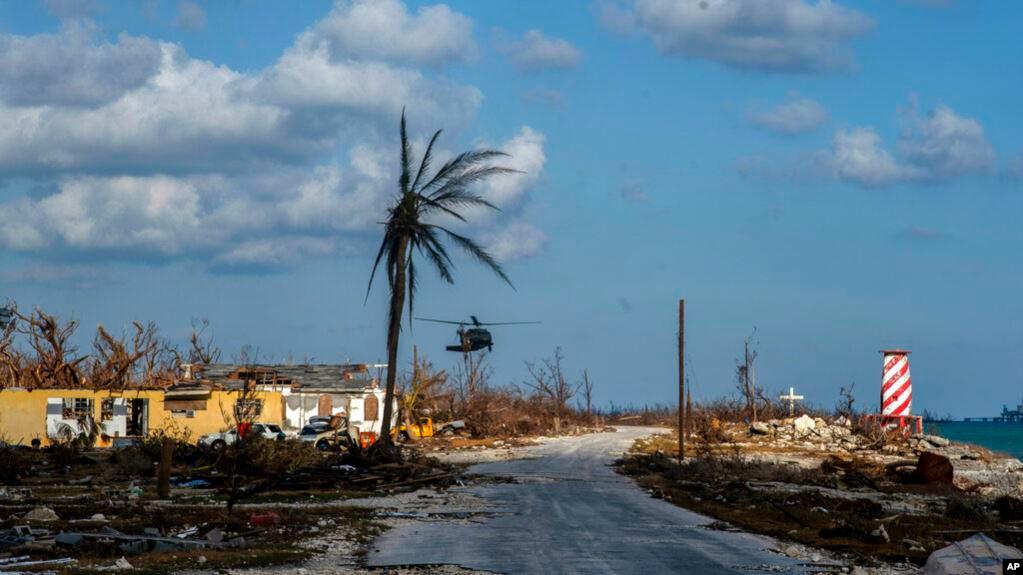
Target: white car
[[218, 441]]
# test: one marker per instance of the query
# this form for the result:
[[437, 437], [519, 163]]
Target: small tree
[[845, 403]]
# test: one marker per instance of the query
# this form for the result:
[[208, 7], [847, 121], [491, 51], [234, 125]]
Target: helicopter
[[474, 338]]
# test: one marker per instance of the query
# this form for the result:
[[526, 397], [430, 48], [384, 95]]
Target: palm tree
[[409, 230]]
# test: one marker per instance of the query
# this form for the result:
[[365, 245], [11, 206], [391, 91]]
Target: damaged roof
[[333, 377]]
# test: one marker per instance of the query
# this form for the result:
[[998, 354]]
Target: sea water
[[999, 437]]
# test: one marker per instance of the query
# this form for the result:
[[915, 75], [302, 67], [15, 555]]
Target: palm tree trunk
[[393, 333]]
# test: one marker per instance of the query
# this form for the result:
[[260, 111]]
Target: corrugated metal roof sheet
[[309, 376]]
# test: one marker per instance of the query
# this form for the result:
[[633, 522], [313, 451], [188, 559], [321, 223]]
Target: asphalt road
[[569, 512]]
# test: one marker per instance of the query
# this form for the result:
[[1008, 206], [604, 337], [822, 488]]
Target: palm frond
[[464, 179], [459, 164], [412, 285], [406, 158], [376, 262], [459, 198], [438, 254], [424, 165], [475, 250]]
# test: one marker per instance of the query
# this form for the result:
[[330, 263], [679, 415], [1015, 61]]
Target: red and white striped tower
[[896, 385]]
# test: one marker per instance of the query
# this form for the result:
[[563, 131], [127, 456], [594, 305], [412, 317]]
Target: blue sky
[[843, 176]]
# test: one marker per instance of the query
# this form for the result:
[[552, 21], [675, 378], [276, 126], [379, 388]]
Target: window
[[76, 407], [248, 409], [106, 409], [371, 408]]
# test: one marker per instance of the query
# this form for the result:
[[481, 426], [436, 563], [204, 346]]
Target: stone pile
[[813, 439], [811, 433]]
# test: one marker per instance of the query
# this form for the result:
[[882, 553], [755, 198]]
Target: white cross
[[792, 398]]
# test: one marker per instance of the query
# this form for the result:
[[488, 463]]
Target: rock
[[760, 428], [881, 533], [936, 441], [803, 424], [933, 468], [41, 514], [791, 551], [121, 564]]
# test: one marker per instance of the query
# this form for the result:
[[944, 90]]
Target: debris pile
[[810, 441]]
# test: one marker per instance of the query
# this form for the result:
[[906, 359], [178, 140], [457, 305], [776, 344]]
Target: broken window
[[248, 409], [76, 407], [370, 408], [106, 409]]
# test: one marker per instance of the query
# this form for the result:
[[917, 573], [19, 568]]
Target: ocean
[[1000, 437]]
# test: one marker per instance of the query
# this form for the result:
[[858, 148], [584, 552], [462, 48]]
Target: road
[[568, 512]]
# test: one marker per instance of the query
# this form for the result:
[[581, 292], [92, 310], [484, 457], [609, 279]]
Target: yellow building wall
[[23, 412]]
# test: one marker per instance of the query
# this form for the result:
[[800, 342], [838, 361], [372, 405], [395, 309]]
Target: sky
[[826, 178]]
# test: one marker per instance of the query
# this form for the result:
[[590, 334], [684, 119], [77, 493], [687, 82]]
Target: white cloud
[[275, 252], [386, 30], [158, 214], [945, 144], [191, 114], [515, 241], [190, 16], [191, 160], [766, 35], [526, 154], [940, 147], [858, 155], [73, 67], [794, 116], [537, 51]]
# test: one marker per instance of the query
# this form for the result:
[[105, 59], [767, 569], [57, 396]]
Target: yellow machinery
[[418, 430]]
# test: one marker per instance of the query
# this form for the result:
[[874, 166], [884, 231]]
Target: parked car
[[327, 433], [218, 441]]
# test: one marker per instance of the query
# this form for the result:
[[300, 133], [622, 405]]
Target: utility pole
[[681, 379]]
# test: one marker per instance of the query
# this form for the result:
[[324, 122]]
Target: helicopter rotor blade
[[510, 323], [441, 321]]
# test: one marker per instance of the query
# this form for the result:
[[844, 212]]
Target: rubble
[[809, 441], [40, 514]]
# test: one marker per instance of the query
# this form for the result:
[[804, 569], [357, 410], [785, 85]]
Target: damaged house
[[205, 400], [315, 390]]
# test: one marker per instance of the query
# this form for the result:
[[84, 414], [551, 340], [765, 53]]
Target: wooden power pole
[[681, 379]]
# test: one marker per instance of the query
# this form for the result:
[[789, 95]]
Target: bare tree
[[746, 376], [201, 349], [547, 380], [117, 363], [470, 400], [12, 359], [56, 363], [587, 389]]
